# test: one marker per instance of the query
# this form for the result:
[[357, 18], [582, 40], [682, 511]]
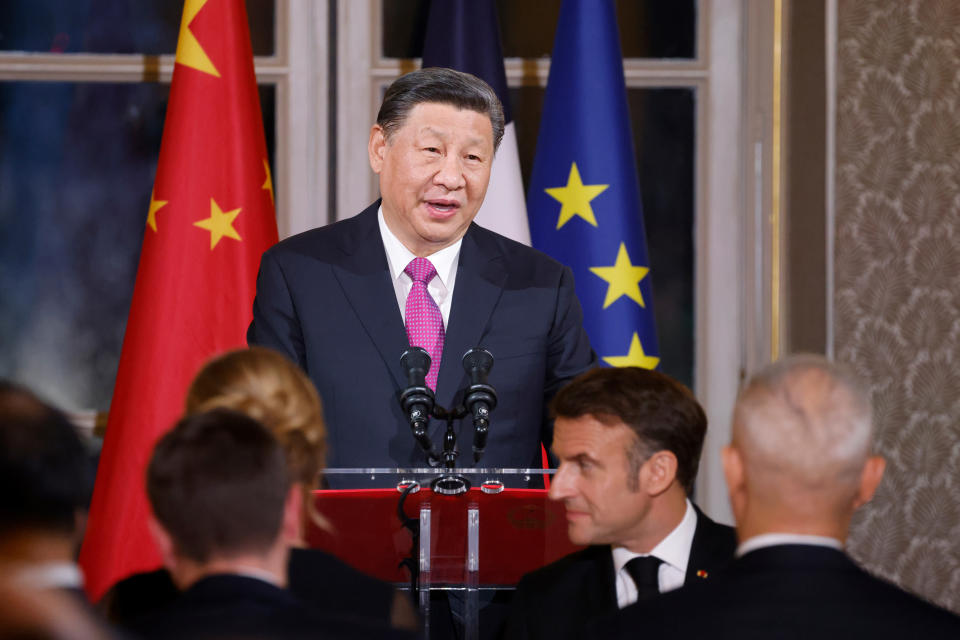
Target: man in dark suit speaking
[[629, 443], [346, 300], [797, 468]]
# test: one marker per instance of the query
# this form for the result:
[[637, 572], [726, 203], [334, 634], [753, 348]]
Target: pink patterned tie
[[424, 322]]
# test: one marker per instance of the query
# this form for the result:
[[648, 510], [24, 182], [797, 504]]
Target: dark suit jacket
[[786, 592], [325, 299], [233, 606], [557, 601], [331, 585], [317, 578]]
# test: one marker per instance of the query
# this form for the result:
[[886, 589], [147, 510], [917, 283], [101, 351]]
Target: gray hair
[[806, 419], [444, 86]]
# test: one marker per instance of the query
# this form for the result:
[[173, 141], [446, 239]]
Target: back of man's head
[[45, 473], [217, 484], [802, 432], [663, 413]]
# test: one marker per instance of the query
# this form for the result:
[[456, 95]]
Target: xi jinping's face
[[434, 170]]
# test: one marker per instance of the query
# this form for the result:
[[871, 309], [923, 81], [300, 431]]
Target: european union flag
[[584, 200]]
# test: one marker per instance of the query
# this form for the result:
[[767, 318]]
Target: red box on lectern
[[500, 535]]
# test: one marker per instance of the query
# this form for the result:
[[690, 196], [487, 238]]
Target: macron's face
[[434, 172], [593, 481]]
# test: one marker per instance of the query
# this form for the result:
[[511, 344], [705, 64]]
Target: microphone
[[417, 399], [480, 398]]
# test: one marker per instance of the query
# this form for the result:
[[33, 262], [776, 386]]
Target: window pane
[[79, 161], [663, 122], [404, 24], [111, 26], [648, 28]]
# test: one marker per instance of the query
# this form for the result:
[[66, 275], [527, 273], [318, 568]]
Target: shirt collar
[[398, 256], [258, 574], [674, 549], [773, 539], [64, 575]]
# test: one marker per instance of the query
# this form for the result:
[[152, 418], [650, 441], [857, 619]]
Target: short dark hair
[[445, 86], [217, 483], [46, 473], [662, 413]]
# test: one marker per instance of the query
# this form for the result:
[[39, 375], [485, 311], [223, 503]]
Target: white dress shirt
[[50, 575], [774, 539], [444, 261], [673, 550]]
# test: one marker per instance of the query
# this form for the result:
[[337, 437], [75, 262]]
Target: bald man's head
[[802, 432], [806, 419]]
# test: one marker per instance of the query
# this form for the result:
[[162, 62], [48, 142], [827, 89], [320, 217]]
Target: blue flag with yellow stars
[[584, 200]]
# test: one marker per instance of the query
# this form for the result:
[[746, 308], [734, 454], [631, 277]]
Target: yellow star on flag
[[189, 51], [576, 197], [155, 205], [624, 278], [268, 183], [634, 358], [219, 224]]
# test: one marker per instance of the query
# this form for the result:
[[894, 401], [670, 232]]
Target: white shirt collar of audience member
[[776, 539], [49, 575]]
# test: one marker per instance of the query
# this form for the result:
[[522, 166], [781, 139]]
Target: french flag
[[464, 35]]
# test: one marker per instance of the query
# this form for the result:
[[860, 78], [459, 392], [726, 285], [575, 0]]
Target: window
[[83, 93]]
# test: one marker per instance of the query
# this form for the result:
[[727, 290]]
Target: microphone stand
[[450, 484], [418, 402]]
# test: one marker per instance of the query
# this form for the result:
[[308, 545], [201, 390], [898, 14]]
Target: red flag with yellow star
[[211, 217]]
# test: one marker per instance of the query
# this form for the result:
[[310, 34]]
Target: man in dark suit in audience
[[629, 443], [223, 512], [45, 480], [798, 466]]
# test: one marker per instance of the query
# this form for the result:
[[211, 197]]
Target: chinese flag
[[211, 217]]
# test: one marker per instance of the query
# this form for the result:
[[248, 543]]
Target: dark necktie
[[645, 572]]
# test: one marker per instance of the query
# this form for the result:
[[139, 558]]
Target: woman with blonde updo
[[268, 387]]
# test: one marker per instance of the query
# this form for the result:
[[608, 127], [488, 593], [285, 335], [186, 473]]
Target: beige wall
[[897, 275]]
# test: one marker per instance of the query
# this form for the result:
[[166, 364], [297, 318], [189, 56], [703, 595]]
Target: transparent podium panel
[[461, 530]]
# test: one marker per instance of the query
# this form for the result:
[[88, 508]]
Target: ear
[[733, 471], [659, 472], [377, 147], [292, 529], [163, 541], [870, 478]]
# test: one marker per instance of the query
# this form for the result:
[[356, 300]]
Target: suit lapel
[[480, 278], [364, 276], [712, 548], [590, 593], [603, 598]]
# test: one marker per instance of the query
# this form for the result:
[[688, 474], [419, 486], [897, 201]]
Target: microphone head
[[415, 362], [477, 362]]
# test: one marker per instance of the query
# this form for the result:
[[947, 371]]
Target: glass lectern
[[456, 530]]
